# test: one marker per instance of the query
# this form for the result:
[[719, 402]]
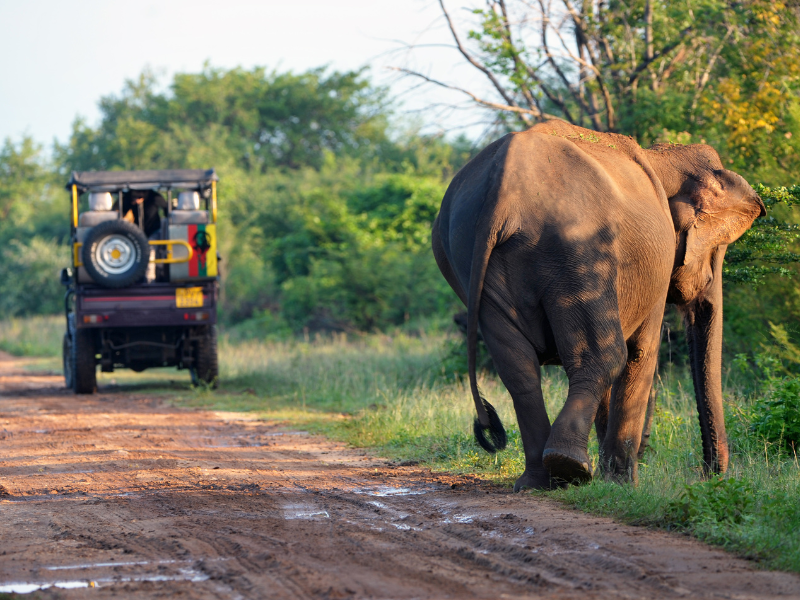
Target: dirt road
[[121, 495]]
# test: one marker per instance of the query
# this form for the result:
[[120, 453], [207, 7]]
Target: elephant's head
[[711, 207], [709, 212]]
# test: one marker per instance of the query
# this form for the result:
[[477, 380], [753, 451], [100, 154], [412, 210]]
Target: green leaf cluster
[[717, 500], [768, 247], [708, 71], [33, 225], [776, 415], [253, 120], [341, 249]]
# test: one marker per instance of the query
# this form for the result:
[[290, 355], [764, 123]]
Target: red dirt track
[[121, 495]]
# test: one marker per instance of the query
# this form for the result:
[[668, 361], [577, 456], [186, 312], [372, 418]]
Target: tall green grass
[[33, 336], [753, 510]]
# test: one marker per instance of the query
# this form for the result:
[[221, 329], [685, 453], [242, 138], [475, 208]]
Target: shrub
[[29, 277], [716, 501], [776, 416]]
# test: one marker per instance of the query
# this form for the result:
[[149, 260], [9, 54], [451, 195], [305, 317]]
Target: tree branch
[[494, 105], [551, 59], [518, 64], [664, 51], [475, 63], [583, 40]]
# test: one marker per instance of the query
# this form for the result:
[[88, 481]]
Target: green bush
[[776, 416], [337, 249], [716, 501], [29, 277]]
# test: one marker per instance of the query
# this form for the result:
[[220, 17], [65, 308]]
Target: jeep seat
[[187, 211], [100, 210]]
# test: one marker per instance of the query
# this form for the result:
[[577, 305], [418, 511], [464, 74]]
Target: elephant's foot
[[621, 470], [535, 479], [567, 467]]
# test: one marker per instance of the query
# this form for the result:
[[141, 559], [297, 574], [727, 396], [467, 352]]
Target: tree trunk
[[648, 39]]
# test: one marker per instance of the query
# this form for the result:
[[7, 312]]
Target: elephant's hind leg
[[601, 418], [630, 400], [518, 367], [592, 349]]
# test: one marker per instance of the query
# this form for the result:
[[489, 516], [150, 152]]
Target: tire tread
[[206, 367]]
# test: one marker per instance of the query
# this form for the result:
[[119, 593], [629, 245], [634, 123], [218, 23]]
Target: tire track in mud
[[122, 492]]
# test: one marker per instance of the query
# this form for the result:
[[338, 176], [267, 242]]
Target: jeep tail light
[[198, 316], [94, 318]]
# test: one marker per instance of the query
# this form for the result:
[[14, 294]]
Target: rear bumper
[[152, 305]]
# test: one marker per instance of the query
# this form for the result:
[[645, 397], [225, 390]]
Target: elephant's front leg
[[629, 403]]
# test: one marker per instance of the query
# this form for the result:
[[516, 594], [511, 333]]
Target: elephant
[[565, 245]]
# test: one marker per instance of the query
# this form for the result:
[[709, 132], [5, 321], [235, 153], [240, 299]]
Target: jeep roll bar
[[202, 180]]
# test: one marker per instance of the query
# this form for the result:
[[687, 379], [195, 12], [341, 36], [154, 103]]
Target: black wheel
[[84, 371], [67, 360], [115, 254], [206, 366]]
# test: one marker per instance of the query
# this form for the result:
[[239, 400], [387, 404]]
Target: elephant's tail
[[487, 415]]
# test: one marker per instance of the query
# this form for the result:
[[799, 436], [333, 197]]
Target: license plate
[[189, 297]]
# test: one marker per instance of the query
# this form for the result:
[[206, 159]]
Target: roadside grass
[[32, 336], [393, 394], [754, 510]]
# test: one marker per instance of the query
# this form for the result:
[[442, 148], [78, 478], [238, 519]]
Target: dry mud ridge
[[121, 495]]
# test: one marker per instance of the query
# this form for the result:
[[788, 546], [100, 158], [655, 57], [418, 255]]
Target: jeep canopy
[[113, 181]]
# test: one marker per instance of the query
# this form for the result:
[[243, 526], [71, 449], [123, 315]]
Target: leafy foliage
[[39, 291], [768, 246], [718, 500], [776, 416], [707, 71], [344, 251], [251, 119], [33, 224]]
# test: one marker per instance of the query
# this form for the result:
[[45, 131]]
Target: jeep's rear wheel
[[84, 370], [115, 254], [206, 364]]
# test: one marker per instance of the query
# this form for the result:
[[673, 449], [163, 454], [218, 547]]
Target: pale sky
[[61, 56]]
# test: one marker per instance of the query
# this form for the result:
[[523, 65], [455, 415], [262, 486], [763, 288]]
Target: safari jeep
[[143, 286]]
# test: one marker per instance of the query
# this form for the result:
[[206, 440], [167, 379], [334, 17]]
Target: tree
[[252, 120], [24, 175], [32, 226], [713, 70], [721, 72]]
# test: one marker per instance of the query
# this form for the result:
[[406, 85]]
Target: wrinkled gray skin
[[565, 244]]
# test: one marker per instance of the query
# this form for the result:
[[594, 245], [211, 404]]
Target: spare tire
[[115, 254]]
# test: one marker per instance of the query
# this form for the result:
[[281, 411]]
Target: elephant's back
[[563, 209], [579, 178], [586, 209]]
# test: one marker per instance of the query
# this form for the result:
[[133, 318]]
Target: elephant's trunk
[[703, 319]]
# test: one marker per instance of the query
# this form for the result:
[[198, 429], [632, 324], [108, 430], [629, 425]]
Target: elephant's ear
[[725, 206]]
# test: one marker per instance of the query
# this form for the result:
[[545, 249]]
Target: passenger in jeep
[[142, 206]]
